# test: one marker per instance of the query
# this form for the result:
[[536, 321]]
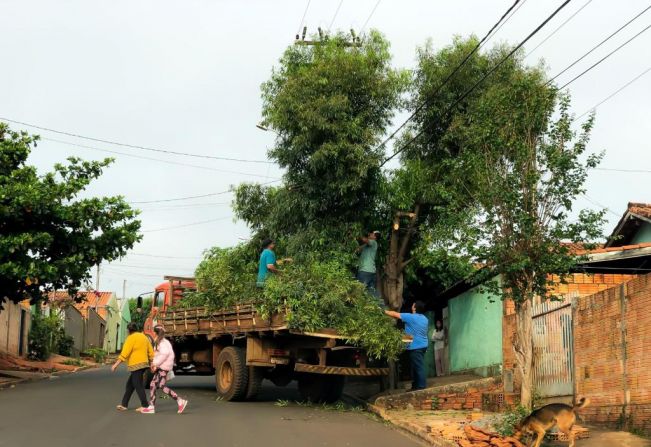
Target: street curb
[[410, 428], [11, 384]]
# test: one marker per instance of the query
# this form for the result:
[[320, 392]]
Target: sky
[[185, 77]]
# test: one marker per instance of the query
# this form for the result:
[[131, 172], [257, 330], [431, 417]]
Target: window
[[159, 299]]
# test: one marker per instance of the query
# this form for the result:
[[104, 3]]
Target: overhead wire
[[191, 224], [194, 197], [336, 13], [613, 94], [515, 10], [368, 19], [450, 75], [558, 28], [133, 146], [163, 256], [303, 18], [599, 44], [587, 70], [486, 75], [142, 157]]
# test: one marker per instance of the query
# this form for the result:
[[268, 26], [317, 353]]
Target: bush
[[98, 354], [65, 344], [509, 420], [316, 295], [46, 336]]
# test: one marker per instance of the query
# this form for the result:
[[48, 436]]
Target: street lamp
[[262, 127]]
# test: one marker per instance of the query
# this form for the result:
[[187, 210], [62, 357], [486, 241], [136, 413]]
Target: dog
[[543, 419]]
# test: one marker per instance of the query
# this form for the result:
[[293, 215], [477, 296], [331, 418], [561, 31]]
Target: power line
[[604, 58], [506, 20], [599, 44], [133, 146], [635, 171], [335, 16], [188, 224], [369, 17], [186, 206], [486, 75], [637, 269], [594, 202], [613, 94], [120, 265], [303, 18], [449, 76], [195, 197], [558, 28], [142, 157], [162, 256]]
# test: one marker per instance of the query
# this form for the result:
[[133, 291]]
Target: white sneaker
[[182, 404], [149, 410]]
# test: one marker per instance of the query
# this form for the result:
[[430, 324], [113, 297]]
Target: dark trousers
[[135, 382], [417, 358], [369, 281]]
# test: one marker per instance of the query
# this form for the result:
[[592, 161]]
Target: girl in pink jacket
[[161, 366]]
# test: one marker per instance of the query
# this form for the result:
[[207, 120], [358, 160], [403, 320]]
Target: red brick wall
[[612, 352]]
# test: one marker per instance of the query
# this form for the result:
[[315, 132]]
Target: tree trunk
[[524, 351]]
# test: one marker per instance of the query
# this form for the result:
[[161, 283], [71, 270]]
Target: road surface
[[78, 410]]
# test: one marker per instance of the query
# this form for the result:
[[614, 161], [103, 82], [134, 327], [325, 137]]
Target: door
[[553, 354], [117, 338]]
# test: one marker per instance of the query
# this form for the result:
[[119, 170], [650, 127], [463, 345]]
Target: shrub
[[509, 420], [98, 354], [46, 336]]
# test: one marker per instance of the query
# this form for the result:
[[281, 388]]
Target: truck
[[241, 348]]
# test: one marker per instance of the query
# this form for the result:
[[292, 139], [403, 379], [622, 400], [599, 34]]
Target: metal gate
[[553, 354]]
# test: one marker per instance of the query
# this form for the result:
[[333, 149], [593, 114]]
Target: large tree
[[514, 161], [329, 103], [49, 237]]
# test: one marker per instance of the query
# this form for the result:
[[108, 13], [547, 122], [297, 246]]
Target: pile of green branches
[[315, 295]]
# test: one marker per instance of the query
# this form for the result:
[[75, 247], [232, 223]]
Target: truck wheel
[[318, 388], [256, 374], [232, 374]]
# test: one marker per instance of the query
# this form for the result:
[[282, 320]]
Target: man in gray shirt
[[366, 273]]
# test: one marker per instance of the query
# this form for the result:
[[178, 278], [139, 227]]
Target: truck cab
[[166, 295]]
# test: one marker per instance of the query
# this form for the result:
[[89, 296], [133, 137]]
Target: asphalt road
[[79, 410]]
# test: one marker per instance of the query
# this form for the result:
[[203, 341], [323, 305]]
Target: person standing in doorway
[[440, 338], [416, 325], [137, 353], [366, 273], [162, 367], [267, 262]]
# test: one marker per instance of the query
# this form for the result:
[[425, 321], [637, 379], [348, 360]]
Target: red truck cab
[[167, 295]]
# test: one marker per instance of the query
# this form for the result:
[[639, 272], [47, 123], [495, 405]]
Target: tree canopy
[[49, 236]]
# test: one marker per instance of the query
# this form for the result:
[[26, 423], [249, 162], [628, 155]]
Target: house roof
[[635, 215], [97, 300]]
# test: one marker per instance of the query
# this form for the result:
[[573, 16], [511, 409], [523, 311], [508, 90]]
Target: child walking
[[161, 366]]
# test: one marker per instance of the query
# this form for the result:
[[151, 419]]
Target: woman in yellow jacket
[[137, 352]]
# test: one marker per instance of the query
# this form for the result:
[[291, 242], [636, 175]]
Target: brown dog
[[541, 420]]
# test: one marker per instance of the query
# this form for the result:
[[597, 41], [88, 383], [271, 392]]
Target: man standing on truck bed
[[366, 271], [416, 325], [267, 262]]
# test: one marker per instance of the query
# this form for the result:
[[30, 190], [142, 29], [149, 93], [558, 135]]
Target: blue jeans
[[417, 358], [369, 281]]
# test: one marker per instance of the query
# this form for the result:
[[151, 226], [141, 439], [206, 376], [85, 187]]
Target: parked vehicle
[[241, 348]]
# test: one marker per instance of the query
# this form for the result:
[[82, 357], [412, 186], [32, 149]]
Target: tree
[[139, 317], [329, 104], [50, 238]]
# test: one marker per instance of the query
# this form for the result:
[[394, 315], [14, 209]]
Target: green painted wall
[[125, 314], [475, 332], [643, 234], [113, 319]]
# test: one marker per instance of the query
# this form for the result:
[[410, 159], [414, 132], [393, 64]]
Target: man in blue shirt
[[267, 262], [416, 325]]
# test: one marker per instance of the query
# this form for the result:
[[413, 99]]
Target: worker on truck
[[267, 262]]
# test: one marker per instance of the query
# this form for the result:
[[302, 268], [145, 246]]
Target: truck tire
[[232, 374], [256, 375], [319, 388]]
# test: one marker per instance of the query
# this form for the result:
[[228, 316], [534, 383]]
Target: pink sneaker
[[149, 410], [182, 404]]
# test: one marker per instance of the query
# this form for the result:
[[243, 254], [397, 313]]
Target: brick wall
[[578, 284], [612, 343]]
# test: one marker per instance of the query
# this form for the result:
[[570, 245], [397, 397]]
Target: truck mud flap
[[341, 370]]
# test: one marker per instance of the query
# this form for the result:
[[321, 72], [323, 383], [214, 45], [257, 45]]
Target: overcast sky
[[185, 76]]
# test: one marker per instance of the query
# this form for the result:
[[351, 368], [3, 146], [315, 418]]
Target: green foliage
[[98, 354], [49, 238], [47, 336], [139, 317], [509, 420], [74, 362], [315, 295]]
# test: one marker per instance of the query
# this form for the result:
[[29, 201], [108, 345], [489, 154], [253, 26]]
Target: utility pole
[[97, 279], [323, 37], [124, 289]]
